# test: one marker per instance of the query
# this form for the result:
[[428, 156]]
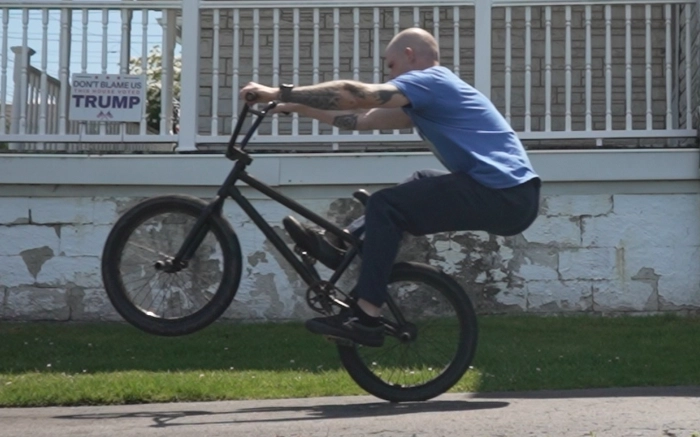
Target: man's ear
[[410, 54]]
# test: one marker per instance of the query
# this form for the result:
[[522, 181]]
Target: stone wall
[[586, 253], [466, 66]]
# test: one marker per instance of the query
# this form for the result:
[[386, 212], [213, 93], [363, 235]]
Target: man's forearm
[[338, 94], [346, 120]]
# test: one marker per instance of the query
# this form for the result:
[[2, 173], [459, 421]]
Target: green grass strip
[[45, 364]]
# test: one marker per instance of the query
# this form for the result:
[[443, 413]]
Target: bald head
[[411, 49]]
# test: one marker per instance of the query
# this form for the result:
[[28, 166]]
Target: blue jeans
[[429, 202]]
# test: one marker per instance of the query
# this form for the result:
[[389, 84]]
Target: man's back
[[466, 130]]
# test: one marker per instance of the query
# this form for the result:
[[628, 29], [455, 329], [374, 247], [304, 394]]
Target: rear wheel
[[150, 294], [427, 352]]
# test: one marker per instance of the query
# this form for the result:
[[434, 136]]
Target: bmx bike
[[172, 264]]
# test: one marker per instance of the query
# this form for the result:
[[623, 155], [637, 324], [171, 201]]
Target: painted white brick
[[623, 296], [677, 267], [14, 210], [83, 271], [559, 296], [61, 210], [16, 239], [657, 229], [511, 296], [96, 305], [86, 240], [29, 303], [104, 212], [578, 205], [558, 231], [534, 272], [14, 272], [657, 205], [587, 264]]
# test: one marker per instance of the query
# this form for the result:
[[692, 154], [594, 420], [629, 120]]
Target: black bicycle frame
[[229, 189]]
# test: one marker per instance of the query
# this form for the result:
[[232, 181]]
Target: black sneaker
[[315, 243], [346, 326]]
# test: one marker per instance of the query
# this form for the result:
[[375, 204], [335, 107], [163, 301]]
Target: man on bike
[[490, 184]]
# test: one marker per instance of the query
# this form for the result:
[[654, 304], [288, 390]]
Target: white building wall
[[617, 232]]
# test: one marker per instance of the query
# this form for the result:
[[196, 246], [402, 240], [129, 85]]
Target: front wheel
[[431, 338], [150, 294]]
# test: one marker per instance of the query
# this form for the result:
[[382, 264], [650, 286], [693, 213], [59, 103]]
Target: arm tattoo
[[329, 96], [324, 98], [347, 122], [384, 96]]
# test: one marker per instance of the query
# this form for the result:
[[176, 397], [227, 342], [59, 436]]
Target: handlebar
[[230, 150]]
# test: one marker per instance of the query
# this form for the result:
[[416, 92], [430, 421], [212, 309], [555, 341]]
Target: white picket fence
[[595, 71]]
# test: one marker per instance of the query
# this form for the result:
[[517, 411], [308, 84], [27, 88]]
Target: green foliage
[[154, 74]]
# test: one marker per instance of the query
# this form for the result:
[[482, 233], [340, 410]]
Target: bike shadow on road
[[677, 391], [289, 413]]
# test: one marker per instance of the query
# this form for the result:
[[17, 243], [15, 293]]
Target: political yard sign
[[107, 97]]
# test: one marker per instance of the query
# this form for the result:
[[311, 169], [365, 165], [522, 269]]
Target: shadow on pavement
[[680, 391], [164, 419]]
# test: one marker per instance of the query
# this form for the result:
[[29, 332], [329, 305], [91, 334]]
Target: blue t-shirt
[[466, 131]]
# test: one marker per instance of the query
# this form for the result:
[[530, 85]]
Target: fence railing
[[596, 71]]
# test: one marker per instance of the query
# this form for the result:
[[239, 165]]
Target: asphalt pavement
[[658, 412]]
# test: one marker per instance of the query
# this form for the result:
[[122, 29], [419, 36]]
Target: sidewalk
[[658, 412]]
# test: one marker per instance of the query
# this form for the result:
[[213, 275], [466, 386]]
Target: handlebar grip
[[251, 96]]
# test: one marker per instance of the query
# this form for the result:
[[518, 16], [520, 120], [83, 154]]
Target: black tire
[[160, 209], [369, 373]]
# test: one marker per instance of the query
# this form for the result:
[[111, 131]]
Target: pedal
[[361, 196]]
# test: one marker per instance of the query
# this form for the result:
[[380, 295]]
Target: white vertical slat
[[125, 52], [85, 20], [416, 16], [44, 87], [256, 44], [508, 65], [105, 38], [24, 79], [548, 69], [63, 70], [314, 123], [236, 64], [189, 121], [628, 66], [215, 73], [648, 65], [567, 70], [376, 61], [688, 84], [589, 114], [669, 69], [397, 20], [295, 67], [455, 42], [356, 43], [275, 61], [436, 24], [608, 68], [3, 71], [336, 56], [144, 60], [356, 48], [166, 80], [528, 67], [482, 47]]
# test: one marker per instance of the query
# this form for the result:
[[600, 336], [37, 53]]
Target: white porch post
[[482, 46], [189, 92], [19, 97], [166, 98]]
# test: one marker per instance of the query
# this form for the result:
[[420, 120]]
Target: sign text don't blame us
[[107, 97]]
